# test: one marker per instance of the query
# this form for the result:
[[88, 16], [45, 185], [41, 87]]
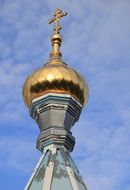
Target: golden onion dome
[[55, 77]]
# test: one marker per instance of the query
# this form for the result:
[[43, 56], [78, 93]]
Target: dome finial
[[56, 38], [57, 16]]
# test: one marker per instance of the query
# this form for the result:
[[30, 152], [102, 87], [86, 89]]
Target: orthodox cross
[[57, 16]]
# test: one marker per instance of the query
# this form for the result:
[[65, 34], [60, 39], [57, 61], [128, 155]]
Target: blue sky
[[97, 43]]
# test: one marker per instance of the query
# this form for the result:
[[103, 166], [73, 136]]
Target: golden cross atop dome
[[57, 16]]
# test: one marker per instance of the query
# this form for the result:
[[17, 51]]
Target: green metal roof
[[56, 171]]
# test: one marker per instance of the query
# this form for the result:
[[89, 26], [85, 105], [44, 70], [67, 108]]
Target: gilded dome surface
[[55, 77]]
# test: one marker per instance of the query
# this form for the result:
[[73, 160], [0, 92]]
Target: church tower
[[55, 95]]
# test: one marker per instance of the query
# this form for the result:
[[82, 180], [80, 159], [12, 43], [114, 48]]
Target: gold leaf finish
[[55, 77]]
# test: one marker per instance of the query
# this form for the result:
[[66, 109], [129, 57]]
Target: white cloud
[[102, 154], [17, 154]]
